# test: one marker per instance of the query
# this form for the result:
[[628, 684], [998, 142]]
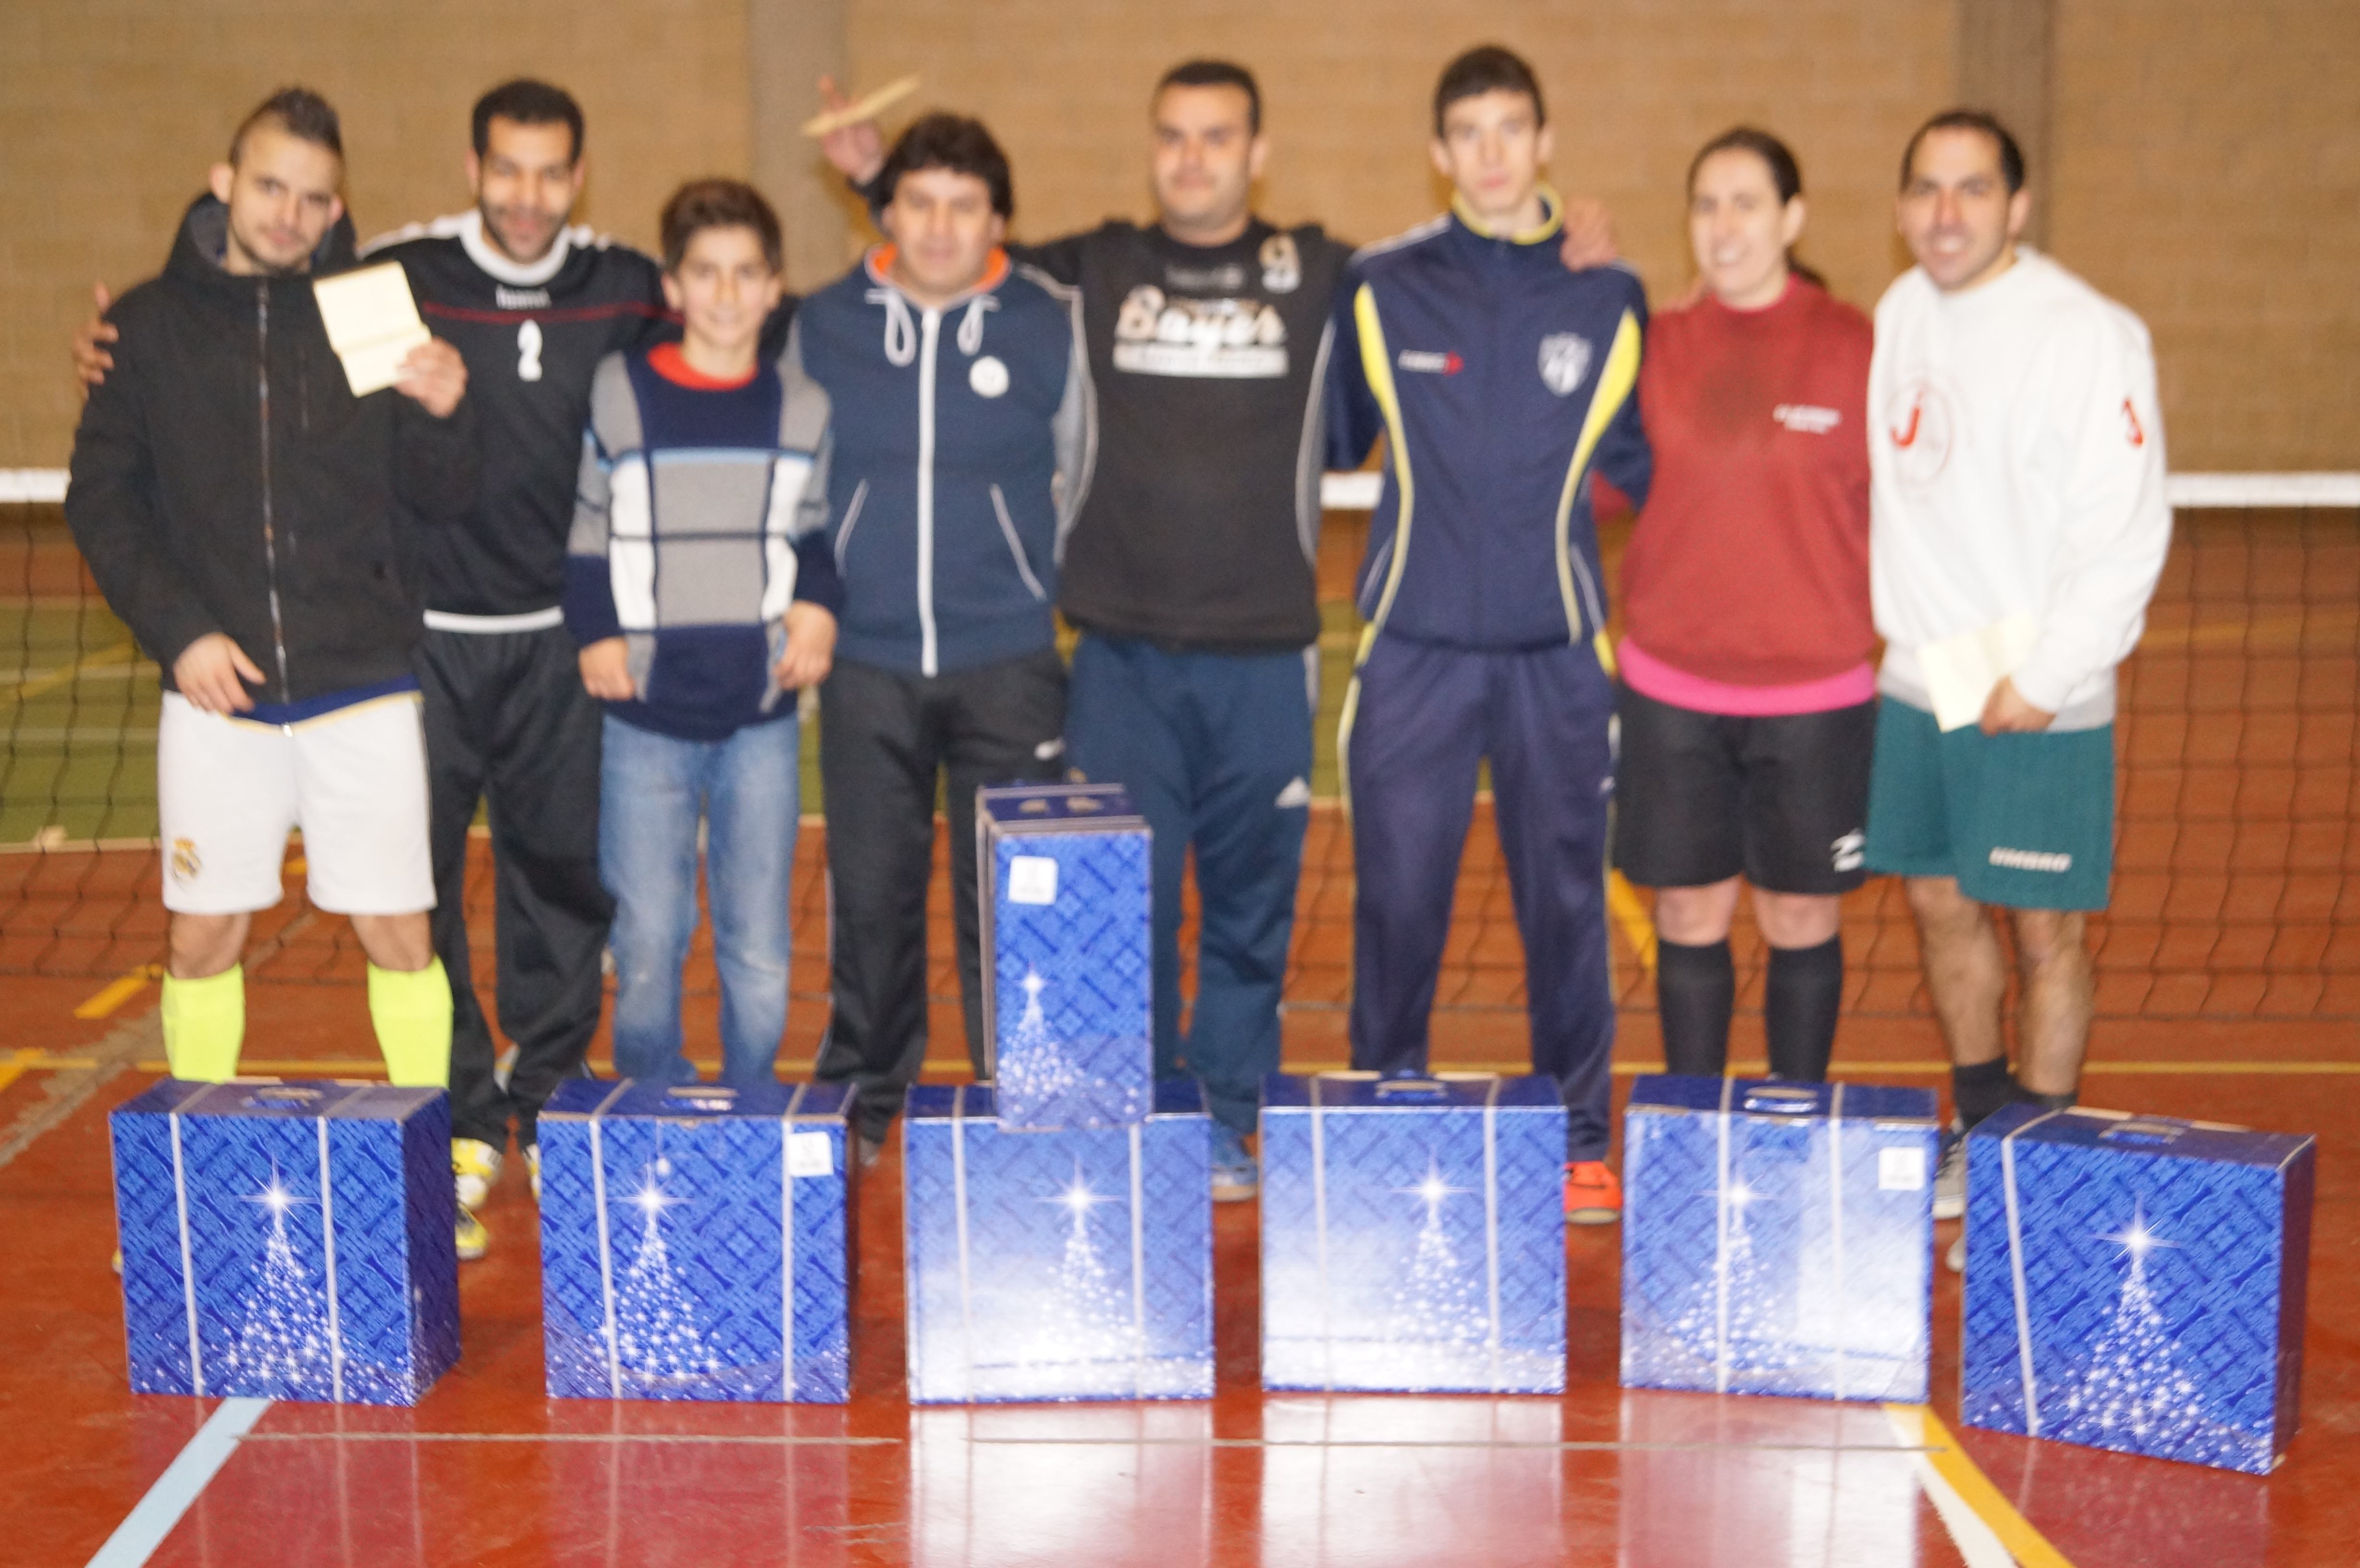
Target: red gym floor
[[489, 1471]]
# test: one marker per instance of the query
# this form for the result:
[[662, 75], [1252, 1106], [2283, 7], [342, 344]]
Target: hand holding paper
[[433, 375], [1962, 670], [372, 323]]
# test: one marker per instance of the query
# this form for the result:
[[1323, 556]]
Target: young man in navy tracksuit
[[963, 447], [1500, 382]]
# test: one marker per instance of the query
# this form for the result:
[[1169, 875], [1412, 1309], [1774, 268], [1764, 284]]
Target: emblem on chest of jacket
[[1565, 361]]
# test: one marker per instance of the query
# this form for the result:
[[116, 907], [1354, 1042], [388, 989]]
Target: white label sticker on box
[[1032, 879], [1900, 1169], [809, 1154]]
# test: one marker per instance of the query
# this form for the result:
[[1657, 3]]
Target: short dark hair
[[1785, 174], [527, 103], [1487, 68], [1216, 73], [703, 205], [952, 142], [297, 111], [2010, 156]]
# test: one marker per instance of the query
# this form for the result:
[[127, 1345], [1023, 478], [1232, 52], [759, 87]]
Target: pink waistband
[[1651, 677]]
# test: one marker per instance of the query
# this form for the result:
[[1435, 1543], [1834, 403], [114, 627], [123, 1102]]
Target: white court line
[[1977, 1543], [143, 1528]]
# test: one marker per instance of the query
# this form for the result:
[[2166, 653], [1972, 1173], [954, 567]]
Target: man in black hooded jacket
[[247, 515]]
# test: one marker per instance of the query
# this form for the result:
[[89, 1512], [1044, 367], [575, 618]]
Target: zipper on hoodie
[[930, 334], [270, 528]]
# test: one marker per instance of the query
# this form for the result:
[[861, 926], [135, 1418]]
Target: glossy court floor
[[487, 1470]]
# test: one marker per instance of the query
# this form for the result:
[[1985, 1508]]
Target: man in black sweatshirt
[[246, 514], [532, 304], [1192, 568]]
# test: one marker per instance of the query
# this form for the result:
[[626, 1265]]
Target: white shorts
[[229, 790]]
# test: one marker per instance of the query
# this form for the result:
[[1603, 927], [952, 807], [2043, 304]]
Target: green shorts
[[2023, 820]]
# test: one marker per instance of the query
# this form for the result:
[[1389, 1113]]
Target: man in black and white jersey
[[532, 305], [1192, 568]]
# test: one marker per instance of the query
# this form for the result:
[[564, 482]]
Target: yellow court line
[[26, 691], [118, 991], [2027, 1545], [1638, 927], [18, 1062]]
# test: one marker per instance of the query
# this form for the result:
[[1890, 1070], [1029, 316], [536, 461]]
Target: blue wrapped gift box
[[1067, 1017], [1073, 1265], [1413, 1233], [695, 1242], [287, 1240], [1777, 1237], [2136, 1284]]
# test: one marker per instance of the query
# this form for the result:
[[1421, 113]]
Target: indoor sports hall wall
[[2214, 187]]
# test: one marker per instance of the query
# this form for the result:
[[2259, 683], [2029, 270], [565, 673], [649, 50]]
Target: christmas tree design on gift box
[[1087, 1321], [284, 1348], [2131, 1388], [1738, 1309], [1435, 1312], [1037, 1067], [658, 1342]]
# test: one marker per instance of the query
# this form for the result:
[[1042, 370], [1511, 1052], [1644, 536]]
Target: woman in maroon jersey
[[1748, 695]]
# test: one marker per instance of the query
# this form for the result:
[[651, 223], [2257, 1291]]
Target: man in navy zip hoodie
[[963, 447], [1500, 381], [246, 514]]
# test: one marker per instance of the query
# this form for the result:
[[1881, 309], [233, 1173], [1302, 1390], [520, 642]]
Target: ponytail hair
[[1786, 176]]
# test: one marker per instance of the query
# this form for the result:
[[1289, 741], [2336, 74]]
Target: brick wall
[[1634, 86], [112, 110], [2207, 165], [2207, 175]]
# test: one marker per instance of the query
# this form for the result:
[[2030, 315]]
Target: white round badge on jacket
[[988, 376]]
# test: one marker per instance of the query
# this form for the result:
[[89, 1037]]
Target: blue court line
[[145, 1527]]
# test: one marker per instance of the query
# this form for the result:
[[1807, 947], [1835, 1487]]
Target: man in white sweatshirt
[[2019, 524]]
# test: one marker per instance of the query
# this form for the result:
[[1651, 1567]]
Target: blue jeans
[[1215, 751], [653, 789]]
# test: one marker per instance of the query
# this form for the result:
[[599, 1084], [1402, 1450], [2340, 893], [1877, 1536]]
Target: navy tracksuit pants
[[1214, 749], [1426, 717]]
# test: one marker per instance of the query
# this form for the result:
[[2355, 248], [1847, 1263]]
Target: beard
[[540, 230]]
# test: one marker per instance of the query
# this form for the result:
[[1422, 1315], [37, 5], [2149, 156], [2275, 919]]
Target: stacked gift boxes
[[1065, 900], [1777, 1238], [1411, 1239], [1059, 1219], [695, 1242], [287, 1241], [2136, 1284]]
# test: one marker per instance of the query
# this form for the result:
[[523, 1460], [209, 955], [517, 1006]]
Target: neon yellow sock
[[204, 1025], [411, 1010]]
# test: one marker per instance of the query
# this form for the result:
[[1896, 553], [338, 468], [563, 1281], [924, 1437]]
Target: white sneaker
[[1955, 1260], [475, 1166], [532, 1163], [1950, 1176]]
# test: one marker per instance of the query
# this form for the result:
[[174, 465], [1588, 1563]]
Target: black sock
[[1976, 1092], [1800, 1003], [2047, 1102], [1695, 990]]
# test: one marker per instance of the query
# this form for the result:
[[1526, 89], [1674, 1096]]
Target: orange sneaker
[[1592, 1195]]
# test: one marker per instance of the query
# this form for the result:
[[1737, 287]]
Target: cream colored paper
[[1962, 670], [869, 108], [372, 322]]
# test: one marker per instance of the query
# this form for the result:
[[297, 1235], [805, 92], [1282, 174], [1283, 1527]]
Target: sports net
[[2234, 897]]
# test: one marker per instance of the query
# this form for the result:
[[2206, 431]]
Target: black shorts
[[1699, 798]]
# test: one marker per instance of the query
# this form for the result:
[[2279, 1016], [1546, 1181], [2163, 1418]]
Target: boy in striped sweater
[[701, 590]]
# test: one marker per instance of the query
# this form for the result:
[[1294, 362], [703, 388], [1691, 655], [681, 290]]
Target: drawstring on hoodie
[[970, 330], [901, 331]]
